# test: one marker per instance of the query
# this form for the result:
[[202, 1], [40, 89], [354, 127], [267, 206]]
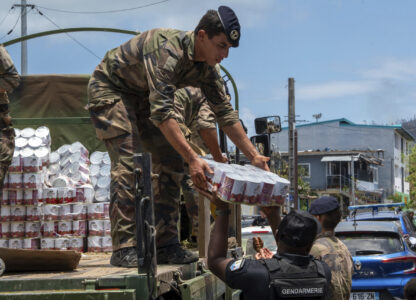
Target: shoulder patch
[[237, 265]]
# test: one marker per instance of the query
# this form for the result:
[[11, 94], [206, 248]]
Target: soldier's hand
[[260, 161], [221, 159], [197, 169]]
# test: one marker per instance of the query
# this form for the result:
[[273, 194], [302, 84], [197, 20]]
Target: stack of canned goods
[[100, 175], [47, 202], [247, 184], [99, 227]]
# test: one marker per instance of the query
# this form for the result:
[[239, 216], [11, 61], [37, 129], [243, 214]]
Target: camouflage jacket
[[335, 254], [9, 77], [193, 114], [152, 65]]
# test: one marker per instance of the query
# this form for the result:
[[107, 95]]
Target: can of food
[[47, 243], [34, 142], [226, 186], [76, 244], [95, 244], [106, 210], [16, 243], [43, 154], [15, 197], [60, 181], [94, 170], [33, 213], [17, 229], [103, 182], [6, 181], [96, 158], [94, 181], [31, 243], [15, 181], [107, 227], [51, 212], [20, 143], [17, 132], [70, 195], [31, 163], [105, 171], [78, 147], [43, 133], [32, 196], [50, 195], [4, 213], [102, 195], [106, 159], [79, 227], [27, 132], [65, 227], [107, 244], [16, 163], [95, 211], [49, 229], [96, 227], [238, 189], [17, 213], [62, 243], [32, 229], [32, 180], [79, 211], [266, 192], [63, 150], [252, 192], [4, 243], [54, 158], [65, 212], [54, 169], [5, 230], [5, 197]]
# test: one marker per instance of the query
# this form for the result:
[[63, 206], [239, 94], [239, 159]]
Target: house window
[[304, 170], [374, 171]]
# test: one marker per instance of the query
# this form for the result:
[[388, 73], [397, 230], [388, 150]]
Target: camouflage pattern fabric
[[193, 114], [9, 79], [130, 93], [335, 254]]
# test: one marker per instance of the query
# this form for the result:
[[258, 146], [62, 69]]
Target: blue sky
[[350, 58]]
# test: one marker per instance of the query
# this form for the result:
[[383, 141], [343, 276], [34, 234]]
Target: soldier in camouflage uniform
[[9, 80], [198, 124], [131, 105], [330, 249]]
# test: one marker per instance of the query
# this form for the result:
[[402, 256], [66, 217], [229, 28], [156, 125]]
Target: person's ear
[[201, 34]]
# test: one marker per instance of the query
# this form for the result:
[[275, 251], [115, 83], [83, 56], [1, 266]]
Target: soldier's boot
[[175, 254], [125, 257]]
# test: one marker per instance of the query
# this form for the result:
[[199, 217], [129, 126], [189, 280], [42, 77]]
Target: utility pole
[[291, 135], [352, 181], [23, 12]]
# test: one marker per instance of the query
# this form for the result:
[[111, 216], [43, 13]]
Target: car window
[[371, 243], [268, 240], [409, 224]]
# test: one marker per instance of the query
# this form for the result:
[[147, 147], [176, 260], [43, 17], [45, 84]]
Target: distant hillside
[[410, 126]]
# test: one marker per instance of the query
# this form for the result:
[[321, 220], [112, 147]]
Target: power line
[[102, 12], [70, 36], [1, 22], [15, 24]]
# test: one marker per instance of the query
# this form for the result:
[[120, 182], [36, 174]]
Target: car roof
[[256, 229], [378, 215], [368, 226]]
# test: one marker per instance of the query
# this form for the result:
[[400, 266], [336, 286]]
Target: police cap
[[323, 205], [298, 229], [230, 23]]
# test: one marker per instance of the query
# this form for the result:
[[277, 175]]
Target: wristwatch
[[222, 212]]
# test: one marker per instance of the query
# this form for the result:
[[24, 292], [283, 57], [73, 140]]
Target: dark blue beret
[[323, 205], [298, 229], [231, 25]]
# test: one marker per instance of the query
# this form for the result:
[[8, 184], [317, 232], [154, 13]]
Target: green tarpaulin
[[58, 102]]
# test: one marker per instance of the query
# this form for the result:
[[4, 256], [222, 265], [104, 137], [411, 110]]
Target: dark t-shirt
[[252, 276]]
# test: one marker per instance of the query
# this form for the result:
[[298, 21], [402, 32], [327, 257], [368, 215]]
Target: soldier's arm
[[197, 166], [9, 77], [238, 136], [210, 138]]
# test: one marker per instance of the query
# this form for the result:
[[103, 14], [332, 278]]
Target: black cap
[[298, 229], [323, 205], [230, 23]]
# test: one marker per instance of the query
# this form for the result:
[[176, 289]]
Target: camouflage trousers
[[190, 196], [7, 139], [130, 117]]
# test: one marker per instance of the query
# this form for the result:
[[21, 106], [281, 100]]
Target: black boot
[[125, 257], [175, 254]]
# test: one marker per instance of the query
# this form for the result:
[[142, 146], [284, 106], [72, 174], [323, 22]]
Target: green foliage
[[412, 177]]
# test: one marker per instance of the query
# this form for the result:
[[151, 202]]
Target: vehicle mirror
[[261, 142], [267, 125], [412, 241]]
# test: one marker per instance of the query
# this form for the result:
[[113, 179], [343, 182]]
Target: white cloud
[[334, 89], [393, 69]]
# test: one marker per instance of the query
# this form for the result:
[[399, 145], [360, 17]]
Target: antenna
[[317, 116]]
